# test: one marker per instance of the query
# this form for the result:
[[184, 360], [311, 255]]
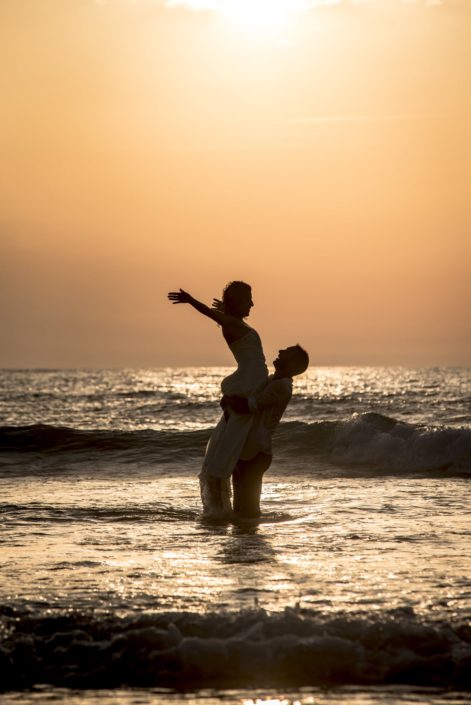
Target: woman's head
[[237, 299]]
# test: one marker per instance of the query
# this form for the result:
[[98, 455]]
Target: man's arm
[[277, 392], [238, 404]]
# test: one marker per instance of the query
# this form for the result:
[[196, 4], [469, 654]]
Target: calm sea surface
[[354, 588]]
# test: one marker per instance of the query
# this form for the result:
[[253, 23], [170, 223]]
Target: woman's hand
[[218, 305], [180, 297]]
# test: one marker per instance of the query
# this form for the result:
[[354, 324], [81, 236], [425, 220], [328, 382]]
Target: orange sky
[[325, 158]]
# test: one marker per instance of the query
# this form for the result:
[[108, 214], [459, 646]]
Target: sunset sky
[[320, 151]]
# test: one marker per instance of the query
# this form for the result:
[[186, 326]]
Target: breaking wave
[[376, 441], [367, 440]]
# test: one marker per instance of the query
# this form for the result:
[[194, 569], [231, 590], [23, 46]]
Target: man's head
[[291, 361], [237, 299]]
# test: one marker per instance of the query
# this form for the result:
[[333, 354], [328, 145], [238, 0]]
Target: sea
[[354, 587]]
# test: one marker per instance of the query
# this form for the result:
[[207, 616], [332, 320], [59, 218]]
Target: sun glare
[[264, 19], [260, 19]]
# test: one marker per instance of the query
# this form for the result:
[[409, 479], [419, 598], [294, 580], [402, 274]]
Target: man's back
[[267, 407]]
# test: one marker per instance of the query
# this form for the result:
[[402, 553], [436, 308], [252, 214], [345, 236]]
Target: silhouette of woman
[[227, 440]]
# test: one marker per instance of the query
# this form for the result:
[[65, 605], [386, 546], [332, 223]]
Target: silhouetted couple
[[253, 403]]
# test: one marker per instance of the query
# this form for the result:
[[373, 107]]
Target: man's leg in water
[[247, 485]]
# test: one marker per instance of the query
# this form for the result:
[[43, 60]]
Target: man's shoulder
[[277, 392], [275, 395], [282, 384]]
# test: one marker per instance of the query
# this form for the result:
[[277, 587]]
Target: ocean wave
[[372, 440], [227, 650], [41, 438], [367, 441]]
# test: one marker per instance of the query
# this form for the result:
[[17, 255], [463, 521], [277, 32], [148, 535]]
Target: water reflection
[[246, 545]]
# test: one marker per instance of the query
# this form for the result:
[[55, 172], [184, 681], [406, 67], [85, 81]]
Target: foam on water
[[185, 650]]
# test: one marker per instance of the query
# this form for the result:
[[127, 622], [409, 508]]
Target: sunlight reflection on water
[[187, 398], [337, 544], [155, 696]]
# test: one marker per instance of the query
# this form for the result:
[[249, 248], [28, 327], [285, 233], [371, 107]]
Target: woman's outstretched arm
[[183, 297]]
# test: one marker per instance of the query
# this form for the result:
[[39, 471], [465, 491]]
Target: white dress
[[251, 373], [228, 438]]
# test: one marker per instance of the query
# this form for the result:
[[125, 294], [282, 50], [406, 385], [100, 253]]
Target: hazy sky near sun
[[320, 151]]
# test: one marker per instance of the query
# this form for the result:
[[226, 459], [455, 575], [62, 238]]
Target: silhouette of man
[[268, 407]]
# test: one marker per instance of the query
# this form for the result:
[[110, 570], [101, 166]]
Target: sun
[[263, 19]]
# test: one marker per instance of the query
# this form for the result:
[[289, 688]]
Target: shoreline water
[[347, 695], [360, 575]]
